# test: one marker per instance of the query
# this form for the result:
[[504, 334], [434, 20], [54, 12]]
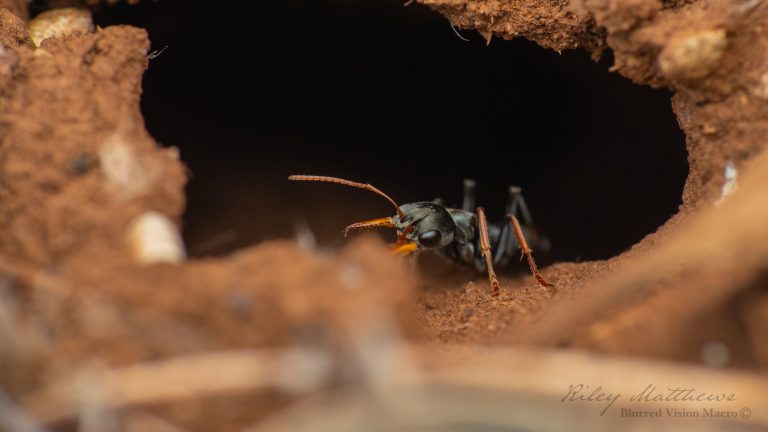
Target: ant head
[[427, 224]]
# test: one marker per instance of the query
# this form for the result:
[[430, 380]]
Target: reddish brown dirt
[[72, 293], [16, 7]]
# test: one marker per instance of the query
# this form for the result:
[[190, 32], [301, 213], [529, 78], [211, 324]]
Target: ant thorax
[[466, 224]]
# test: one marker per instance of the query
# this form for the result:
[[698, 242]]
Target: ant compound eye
[[430, 238]]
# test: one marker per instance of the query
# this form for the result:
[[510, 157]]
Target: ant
[[462, 235]]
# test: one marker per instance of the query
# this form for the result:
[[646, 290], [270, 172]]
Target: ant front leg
[[485, 246], [526, 251]]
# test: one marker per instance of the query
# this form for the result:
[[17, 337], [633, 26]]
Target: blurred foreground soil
[[282, 337]]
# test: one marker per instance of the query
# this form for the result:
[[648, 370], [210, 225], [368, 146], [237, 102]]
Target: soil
[[73, 294]]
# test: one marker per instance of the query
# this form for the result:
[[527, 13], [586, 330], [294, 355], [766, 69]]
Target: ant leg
[[469, 195], [516, 202], [526, 251], [502, 244], [485, 246]]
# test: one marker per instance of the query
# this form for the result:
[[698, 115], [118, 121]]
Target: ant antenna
[[337, 180]]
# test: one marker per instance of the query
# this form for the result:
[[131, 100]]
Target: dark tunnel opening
[[386, 94]]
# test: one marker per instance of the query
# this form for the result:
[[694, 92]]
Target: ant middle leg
[[504, 243], [470, 188], [516, 202], [517, 207]]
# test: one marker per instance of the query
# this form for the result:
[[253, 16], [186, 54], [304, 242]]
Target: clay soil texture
[[280, 336]]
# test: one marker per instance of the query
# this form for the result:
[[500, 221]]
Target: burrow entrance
[[412, 108]]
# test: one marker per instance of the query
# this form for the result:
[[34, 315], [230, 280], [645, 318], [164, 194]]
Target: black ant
[[460, 234]]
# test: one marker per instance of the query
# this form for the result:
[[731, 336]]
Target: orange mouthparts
[[405, 248]]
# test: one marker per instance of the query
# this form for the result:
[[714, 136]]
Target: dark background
[[381, 93]]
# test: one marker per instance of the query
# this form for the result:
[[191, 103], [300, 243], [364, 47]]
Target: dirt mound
[[90, 331]]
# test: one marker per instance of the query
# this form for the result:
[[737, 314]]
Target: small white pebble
[[59, 23], [155, 239], [693, 56], [127, 176], [715, 354], [731, 185]]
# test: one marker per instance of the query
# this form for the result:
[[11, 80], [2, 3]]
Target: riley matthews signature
[[583, 393]]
